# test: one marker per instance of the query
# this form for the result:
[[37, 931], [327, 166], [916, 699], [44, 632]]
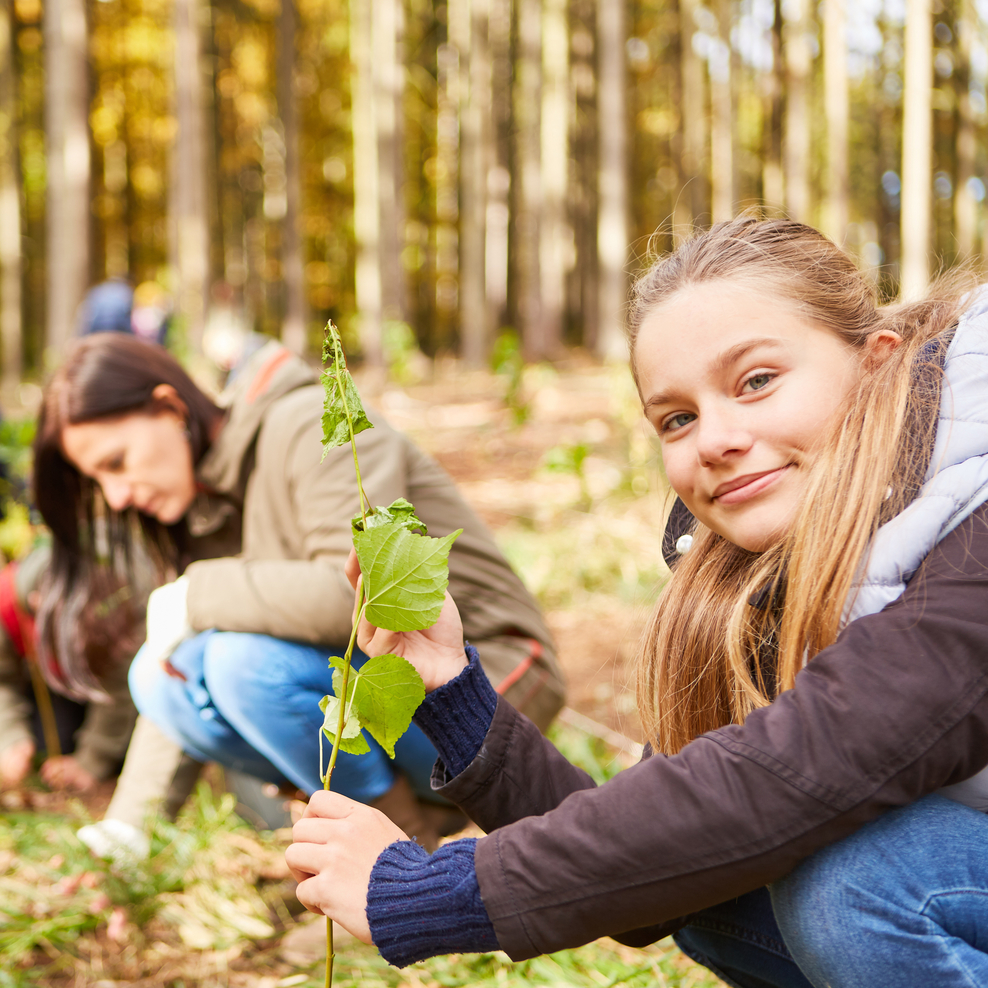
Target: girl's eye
[[677, 421], [116, 464], [756, 382]]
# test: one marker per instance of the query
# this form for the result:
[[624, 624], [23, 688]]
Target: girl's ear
[[166, 399], [880, 345]]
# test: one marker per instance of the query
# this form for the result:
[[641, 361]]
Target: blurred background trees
[[442, 175]]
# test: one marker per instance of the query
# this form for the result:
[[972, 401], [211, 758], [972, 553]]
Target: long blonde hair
[[732, 627]]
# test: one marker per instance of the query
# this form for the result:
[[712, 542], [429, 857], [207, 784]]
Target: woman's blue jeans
[[902, 903], [251, 702]]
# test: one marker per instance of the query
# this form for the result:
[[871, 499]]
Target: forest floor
[[559, 464]]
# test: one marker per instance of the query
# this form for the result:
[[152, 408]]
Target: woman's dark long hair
[[105, 376]]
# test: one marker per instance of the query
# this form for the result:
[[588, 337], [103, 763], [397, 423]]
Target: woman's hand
[[15, 763], [64, 772], [437, 652], [336, 844]]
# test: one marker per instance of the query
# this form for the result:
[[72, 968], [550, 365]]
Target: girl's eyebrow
[[723, 362]]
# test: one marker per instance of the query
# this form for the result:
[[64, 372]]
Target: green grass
[[207, 909]]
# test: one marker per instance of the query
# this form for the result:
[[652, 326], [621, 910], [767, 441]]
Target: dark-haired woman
[[255, 526]]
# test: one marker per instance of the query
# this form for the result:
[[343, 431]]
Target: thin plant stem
[[330, 954], [344, 682], [347, 660]]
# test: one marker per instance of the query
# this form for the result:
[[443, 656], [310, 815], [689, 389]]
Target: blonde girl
[[816, 669]]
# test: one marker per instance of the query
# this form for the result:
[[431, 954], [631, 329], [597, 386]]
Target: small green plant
[[405, 575], [508, 362], [571, 459]]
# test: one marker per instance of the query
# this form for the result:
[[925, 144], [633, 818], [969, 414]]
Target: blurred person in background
[[92, 736], [252, 524], [114, 307]]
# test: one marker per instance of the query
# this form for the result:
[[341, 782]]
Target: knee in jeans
[[810, 905], [142, 678], [234, 667]]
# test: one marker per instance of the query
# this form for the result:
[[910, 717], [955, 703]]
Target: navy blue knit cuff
[[421, 904], [457, 716]]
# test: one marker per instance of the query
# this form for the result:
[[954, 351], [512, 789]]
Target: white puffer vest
[[956, 485]]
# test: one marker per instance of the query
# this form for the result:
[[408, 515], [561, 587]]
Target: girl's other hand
[[15, 763], [65, 772], [437, 652], [335, 846]]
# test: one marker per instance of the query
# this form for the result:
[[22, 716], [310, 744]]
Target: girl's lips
[[748, 489]]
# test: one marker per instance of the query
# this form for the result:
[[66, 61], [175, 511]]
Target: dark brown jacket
[[894, 710]]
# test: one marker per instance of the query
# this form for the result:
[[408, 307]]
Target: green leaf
[[352, 742], [343, 414], [400, 512], [339, 664], [405, 576], [388, 690]]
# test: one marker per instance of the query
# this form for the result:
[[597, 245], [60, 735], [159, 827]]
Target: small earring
[[186, 435]]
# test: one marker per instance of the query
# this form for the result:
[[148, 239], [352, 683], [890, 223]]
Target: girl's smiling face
[[741, 389]]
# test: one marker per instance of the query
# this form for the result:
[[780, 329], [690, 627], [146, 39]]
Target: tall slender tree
[[468, 31], [528, 171], [388, 86], [189, 243], [292, 262], [366, 211], [499, 180], [917, 150], [722, 118], [835, 84], [694, 130], [612, 228], [555, 234], [799, 62], [774, 82], [11, 344], [68, 164], [965, 205]]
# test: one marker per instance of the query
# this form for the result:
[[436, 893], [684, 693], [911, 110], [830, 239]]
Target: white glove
[[116, 841], [167, 620]]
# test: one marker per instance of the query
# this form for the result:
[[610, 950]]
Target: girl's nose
[[720, 437]]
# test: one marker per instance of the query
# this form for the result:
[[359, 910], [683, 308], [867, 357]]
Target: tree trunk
[[497, 217], [917, 135], [773, 184], [388, 77], [468, 31], [722, 119], [189, 218], [67, 204], [799, 59], [366, 171], [528, 105], [10, 217], [837, 110], [556, 236], [612, 219], [965, 206], [292, 267], [693, 159]]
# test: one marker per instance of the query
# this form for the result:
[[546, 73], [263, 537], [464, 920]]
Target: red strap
[[520, 669], [16, 621], [260, 383]]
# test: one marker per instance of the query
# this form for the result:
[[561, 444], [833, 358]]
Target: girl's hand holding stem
[[437, 652], [335, 846]]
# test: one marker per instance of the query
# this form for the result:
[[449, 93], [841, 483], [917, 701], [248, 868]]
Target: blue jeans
[[251, 702], [902, 903]]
